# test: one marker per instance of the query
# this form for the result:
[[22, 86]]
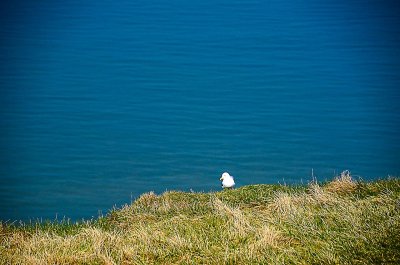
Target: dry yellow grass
[[342, 184], [342, 222]]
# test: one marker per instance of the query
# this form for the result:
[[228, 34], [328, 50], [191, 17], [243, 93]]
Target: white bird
[[227, 180]]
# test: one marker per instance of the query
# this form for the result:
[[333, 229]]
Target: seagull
[[227, 180]]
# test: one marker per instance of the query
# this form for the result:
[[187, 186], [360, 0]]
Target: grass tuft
[[343, 184]]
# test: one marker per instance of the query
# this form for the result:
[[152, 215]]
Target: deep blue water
[[104, 100]]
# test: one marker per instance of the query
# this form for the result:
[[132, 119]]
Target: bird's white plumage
[[227, 180]]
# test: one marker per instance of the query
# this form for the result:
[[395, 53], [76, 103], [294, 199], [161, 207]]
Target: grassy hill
[[339, 222]]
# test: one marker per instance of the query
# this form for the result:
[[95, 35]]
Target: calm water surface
[[103, 100]]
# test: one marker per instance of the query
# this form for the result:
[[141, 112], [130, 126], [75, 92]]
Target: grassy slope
[[340, 222]]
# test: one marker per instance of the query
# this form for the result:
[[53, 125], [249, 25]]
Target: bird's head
[[224, 175]]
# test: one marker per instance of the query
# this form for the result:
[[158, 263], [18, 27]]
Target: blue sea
[[101, 101]]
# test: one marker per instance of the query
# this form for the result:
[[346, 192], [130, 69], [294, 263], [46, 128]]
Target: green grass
[[338, 222]]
